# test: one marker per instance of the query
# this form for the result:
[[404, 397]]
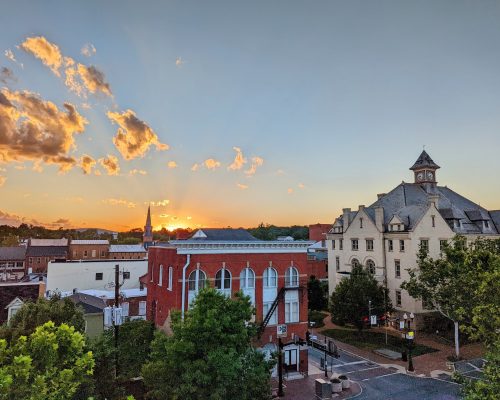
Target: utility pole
[[116, 326], [280, 369]]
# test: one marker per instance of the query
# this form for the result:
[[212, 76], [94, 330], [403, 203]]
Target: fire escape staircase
[[280, 296]]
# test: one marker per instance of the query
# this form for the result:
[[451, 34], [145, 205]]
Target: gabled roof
[[222, 234], [424, 161], [17, 253], [90, 304]]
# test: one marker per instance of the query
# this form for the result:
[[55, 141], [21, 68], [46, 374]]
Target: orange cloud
[[301, 186], [239, 160], [110, 164], [34, 129], [256, 162], [134, 137], [47, 52], [119, 202], [210, 163], [172, 164], [290, 190], [94, 80], [179, 62], [2, 180], [195, 167], [159, 203], [87, 163], [241, 186], [137, 172]]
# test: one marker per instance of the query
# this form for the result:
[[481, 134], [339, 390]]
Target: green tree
[[10, 241], [33, 314], [317, 294], [442, 281], [50, 364], [353, 295], [210, 353]]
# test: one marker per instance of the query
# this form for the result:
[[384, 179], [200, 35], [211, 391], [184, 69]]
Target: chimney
[[345, 218], [380, 195], [434, 199], [361, 207], [379, 218]]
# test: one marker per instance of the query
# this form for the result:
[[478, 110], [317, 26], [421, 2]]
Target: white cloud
[[88, 50], [179, 62], [211, 163], [242, 186], [172, 164], [119, 202], [137, 172]]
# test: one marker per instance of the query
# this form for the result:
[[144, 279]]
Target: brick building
[[40, 251], [12, 263], [88, 249], [127, 252], [317, 232], [272, 273]]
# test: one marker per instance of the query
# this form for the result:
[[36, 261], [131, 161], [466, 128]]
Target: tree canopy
[[350, 301], [33, 314], [317, 294], [210, 353], [50, 364], [271, 232]]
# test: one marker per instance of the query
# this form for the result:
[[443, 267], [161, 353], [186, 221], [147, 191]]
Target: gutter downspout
[[184, 285]]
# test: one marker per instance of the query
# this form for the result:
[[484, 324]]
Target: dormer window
[[457, 223], [486, 224]]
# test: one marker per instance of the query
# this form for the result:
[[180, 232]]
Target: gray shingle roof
[[226, 234], [17, 253], [47, 251], [424, 161], [409, 201], [90, 304]]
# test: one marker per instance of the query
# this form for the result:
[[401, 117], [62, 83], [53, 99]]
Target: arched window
[[270, 278], [196, 280], [247, 279], [223, 281], [370, 266], [354, 262], [291, 277], [247, 283]]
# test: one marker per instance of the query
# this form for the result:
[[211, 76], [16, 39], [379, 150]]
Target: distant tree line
[[271, 232]]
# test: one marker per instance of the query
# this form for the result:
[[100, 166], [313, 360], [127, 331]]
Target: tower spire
[[147, 237]]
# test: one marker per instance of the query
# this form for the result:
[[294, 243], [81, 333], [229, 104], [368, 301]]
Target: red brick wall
[[318, 268], [77, 251], [167, 300], [318, 232]]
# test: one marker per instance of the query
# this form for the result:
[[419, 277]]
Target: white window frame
[[142, 308], [274, 317], [397, 271], [291, 277], [125, 308], [170, 277], [160, 276], [269, 275], [221, 283]]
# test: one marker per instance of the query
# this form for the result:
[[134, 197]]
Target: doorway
[[291, 363]]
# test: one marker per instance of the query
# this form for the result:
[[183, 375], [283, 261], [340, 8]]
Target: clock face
[[430, 175], [420, 176]]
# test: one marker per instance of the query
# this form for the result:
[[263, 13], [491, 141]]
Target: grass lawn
[[317, 317], [374, 340]]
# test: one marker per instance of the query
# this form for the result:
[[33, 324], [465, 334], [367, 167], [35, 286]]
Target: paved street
[[388, 383]]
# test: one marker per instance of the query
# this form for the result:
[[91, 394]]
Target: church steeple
[[147, 237], [425, 169]]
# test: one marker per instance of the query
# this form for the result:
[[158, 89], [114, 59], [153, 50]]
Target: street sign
[[410, 335], [373, 320], [282, 330]]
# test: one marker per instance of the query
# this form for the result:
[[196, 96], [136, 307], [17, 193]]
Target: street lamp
[[410, 337]]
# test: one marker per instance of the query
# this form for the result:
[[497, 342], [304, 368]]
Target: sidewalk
[[304, 389], [423, 364]]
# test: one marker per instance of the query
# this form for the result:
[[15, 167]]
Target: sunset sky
[[232, 113]]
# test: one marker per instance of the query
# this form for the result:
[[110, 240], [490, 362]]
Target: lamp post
[[410, 337]]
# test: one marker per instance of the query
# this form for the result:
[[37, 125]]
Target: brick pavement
[[423, 364], [303, 389]]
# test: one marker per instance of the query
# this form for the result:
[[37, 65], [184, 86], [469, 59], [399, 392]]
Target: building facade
[[88, 249], [127, 252], [386, 236], [272, 273], [12, 263]]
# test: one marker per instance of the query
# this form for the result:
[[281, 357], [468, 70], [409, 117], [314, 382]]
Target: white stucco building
[[94, 274], [385, 237]]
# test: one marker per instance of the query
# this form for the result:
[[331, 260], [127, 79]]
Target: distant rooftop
[[127, 248], [222, 234], [90, 242], [17, 253], [47, 251], [49, 242]]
